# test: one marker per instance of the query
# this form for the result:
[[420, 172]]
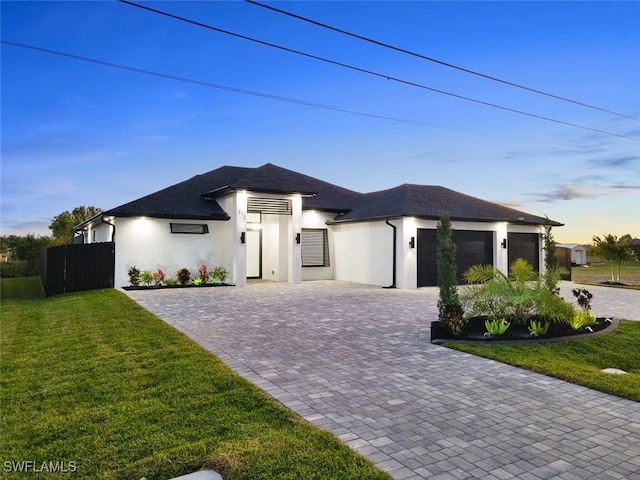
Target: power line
[[371, 72], [213, 85], [435, 60]]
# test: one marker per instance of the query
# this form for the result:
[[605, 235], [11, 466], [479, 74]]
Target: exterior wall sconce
[[243, 237], [412, 242], [504, 243], [297, 238]]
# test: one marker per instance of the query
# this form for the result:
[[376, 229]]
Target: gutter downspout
[[113, 232], [395, 260]]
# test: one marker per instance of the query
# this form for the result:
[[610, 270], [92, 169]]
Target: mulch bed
[[162, 287], [474, 332]]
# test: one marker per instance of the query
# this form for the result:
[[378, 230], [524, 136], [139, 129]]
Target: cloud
[[571, 191], [619, 161]]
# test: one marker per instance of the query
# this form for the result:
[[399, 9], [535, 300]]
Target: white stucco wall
[[98, 233], [363, 250], [148, 244]]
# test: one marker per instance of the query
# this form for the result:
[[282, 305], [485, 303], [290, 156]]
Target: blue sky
[[77, 133]]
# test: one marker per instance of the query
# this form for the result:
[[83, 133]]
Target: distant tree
[[613, 249], [25, 249], [62, 226]]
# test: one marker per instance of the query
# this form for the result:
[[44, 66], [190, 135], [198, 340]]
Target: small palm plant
[[517, 296]]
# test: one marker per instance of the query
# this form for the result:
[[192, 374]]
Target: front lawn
[[578, 361], [95, 381], [598, 273]]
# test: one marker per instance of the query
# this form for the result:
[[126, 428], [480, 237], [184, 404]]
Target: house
[[276, 224], [578, 252], [635, 246]]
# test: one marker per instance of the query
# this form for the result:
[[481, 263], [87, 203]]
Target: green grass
[[598, 272], [93, 378], [578, 361]]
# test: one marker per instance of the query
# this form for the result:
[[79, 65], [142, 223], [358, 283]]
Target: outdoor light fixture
[[242, 237], [297, 238], [412, 242], [504, 243]]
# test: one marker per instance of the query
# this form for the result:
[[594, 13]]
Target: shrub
[[203, 274], [538, 327], [158, 276], [518, 296], [496, 327], [134, 276], [146, 277], [583, 297], [581, 318], [219, 274], [197, 281], [450, 311], [15, 269], [183, 275], [170, 282]]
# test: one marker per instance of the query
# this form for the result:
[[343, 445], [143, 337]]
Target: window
[[315, 247], [193, 228]]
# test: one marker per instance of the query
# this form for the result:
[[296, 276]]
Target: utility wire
[[213, 85], [435, 60], [373, 73]]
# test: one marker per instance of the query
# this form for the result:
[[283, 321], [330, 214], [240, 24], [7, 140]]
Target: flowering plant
[[158, 276], [203, 273]]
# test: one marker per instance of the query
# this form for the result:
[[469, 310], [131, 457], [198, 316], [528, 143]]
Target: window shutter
[[315, 247], [276, 206]]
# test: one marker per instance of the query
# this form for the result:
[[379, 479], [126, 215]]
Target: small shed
[[578, 252]]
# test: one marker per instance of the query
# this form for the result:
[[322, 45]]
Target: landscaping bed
[[475, 331], [189, 285]]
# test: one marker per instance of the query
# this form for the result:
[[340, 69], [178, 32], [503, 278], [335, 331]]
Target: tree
[[24, 249], [63, 225], [613, 249], [552, 273], [449, 309]]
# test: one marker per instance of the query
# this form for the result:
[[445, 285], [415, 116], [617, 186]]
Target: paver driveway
[[356, 360]]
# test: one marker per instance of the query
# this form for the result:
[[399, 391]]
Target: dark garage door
[[472, 248], [524, 245]]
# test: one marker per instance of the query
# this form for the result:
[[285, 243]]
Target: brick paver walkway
[[356, 360]]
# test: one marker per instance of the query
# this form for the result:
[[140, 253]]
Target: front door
[[254, 253]]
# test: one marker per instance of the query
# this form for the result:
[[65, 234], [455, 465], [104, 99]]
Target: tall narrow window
[[315, 247]]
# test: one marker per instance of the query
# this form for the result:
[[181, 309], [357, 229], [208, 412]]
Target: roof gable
[[317, 194]]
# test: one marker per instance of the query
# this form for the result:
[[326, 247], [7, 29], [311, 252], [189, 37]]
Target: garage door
[[472, 248], [524, 245]]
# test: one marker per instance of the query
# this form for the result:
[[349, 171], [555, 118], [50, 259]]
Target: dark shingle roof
[[195, 198], [184, 199], [425, 201]]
